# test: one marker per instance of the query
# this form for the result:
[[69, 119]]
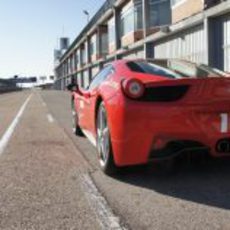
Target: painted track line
[[105, 216], [50, 118], [7, 135]]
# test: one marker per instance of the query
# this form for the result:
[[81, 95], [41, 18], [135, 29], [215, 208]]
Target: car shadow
[[207, 184]]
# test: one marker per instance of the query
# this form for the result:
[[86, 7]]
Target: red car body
[[187, 114]]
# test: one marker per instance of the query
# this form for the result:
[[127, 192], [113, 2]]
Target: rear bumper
[[175, 148], [137, 127]]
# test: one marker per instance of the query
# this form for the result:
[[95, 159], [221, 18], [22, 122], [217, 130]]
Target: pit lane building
[[196, 30]]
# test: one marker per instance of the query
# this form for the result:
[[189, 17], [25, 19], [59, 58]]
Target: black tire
[[76, 128], [104, 147]]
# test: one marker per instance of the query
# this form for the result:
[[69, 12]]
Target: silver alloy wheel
[[103, 137]]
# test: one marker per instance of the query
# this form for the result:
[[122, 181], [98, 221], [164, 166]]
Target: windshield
[[213, 71], [190, 69]]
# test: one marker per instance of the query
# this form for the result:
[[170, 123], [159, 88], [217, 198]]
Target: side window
[[100, 77]]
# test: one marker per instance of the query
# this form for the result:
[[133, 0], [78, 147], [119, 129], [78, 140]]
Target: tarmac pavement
[[50, 179]]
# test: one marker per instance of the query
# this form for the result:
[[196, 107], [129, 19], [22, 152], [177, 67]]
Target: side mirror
[[72, 87]]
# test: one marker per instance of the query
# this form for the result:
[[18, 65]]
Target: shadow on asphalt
[[207, 183]]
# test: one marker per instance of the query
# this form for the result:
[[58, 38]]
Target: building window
[[79, 79], [72, 63], [111, 30], [159, 13], [83, 56], [104, 43], [138, 18], [85, 79], [127, 21], [76, 60], [92, 48], [69, 66], [131, 18], [93, 45]]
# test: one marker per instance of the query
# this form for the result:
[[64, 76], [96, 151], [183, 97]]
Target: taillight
[[133, 88]]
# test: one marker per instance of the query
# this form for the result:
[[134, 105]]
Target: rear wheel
[[105, 154], [76, 128]]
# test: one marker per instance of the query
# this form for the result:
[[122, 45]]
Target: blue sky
[[29, 31]]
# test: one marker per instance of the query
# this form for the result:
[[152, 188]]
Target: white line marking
[[50, 118], [99, 205], [7, 135], [90, 136]]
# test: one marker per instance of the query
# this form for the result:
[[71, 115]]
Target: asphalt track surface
[[50, 179]]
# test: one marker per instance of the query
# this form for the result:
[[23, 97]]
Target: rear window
[[189, 69], [150, 68]]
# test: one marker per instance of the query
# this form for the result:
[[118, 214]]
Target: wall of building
[[203, 37], [182, 9], [226, 42], [189, 44]]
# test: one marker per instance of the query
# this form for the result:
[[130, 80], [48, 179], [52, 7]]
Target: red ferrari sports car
[[136, 111]]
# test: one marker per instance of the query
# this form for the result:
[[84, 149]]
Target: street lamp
[[87, 14]]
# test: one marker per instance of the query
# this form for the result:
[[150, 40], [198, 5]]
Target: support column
[[87, 50], [90, 74], [98, 41], [214, 32], [101, 30], [145, 19], [207, 38], [116, 14], [88, 58], [82, 79], [81, 55]]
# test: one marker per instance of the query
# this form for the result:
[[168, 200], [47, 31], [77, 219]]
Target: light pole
[[87, 14]]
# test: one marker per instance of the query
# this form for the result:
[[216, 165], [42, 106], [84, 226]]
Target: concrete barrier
[[7, 86]]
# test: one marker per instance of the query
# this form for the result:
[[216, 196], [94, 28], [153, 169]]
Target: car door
[[91, 97]]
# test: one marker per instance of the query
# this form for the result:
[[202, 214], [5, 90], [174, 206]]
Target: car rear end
[[171, 117]]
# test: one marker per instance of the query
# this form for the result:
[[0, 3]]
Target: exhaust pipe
[[223, 146]]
